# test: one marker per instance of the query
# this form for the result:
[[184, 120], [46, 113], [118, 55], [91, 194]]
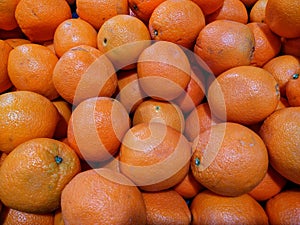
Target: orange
[[129, 91], [291, 46], [209, 7], [209, 208], [166, 207], [11, 216], [154, 156], [284, 208], [177, 21], [293, 90], [84, 72], [25, 115], [258, 11], [39, 19], [283, 67], [193, 94], [217, 45], [283, 143], [244, 94], [123, 38], [58, 219], [188, 188], [286, 23], [271, 185], [96, 128], [229, 159], [283, 103], [163, 70], [96, 12], [7, 14], [5, 82], [151, 111], [73, 32], [267, 44], [234, 10], [199, 120], [64, 110], [34, 174], [14, 42], [36, 74], [102, 196], [143, 9]]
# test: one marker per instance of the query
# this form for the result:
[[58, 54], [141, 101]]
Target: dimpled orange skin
[[25, 115]]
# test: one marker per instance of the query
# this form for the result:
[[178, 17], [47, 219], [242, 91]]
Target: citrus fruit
[[5, 82], [293, 90]]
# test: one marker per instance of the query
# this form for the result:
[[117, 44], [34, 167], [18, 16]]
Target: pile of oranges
[[149, 112]]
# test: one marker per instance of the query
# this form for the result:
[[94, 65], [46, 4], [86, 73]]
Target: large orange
[[164, 70], [229, 159], [96, 12], [177, 21], [123, 38], [286, 23], [84, 72], [102, 196], [223, 44], [209, 208], [283, 143], [25, 115], [36, 74], [34, 174], [244, 94], [96, 128], [154, 156], [39, 19], [73, 32], [5, 82], [166, 207]]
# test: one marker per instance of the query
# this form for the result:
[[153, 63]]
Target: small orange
[[14, 42], [129, 91], [96, 128], [283, 143], [229, 159], [150, 111], [199, 120], [193, 94], [271, 185], [154, 156], [5, 82], [7, 14], [267, 44], [166, 207], [96, 12], [217, 45], [143, 9], [25, 115], [209, 7], [73, 32], [102, 196], [164, 70], [283, 67], [64, 109], [286, 23], [36, 74], [39, 19], [209, 208], [293, 90], [177, 21], [291, 46], [84, 72], [234, 10], [188, 188], [284, 208], [11, 216], [122, 38], [34, 174], [257, 12]]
